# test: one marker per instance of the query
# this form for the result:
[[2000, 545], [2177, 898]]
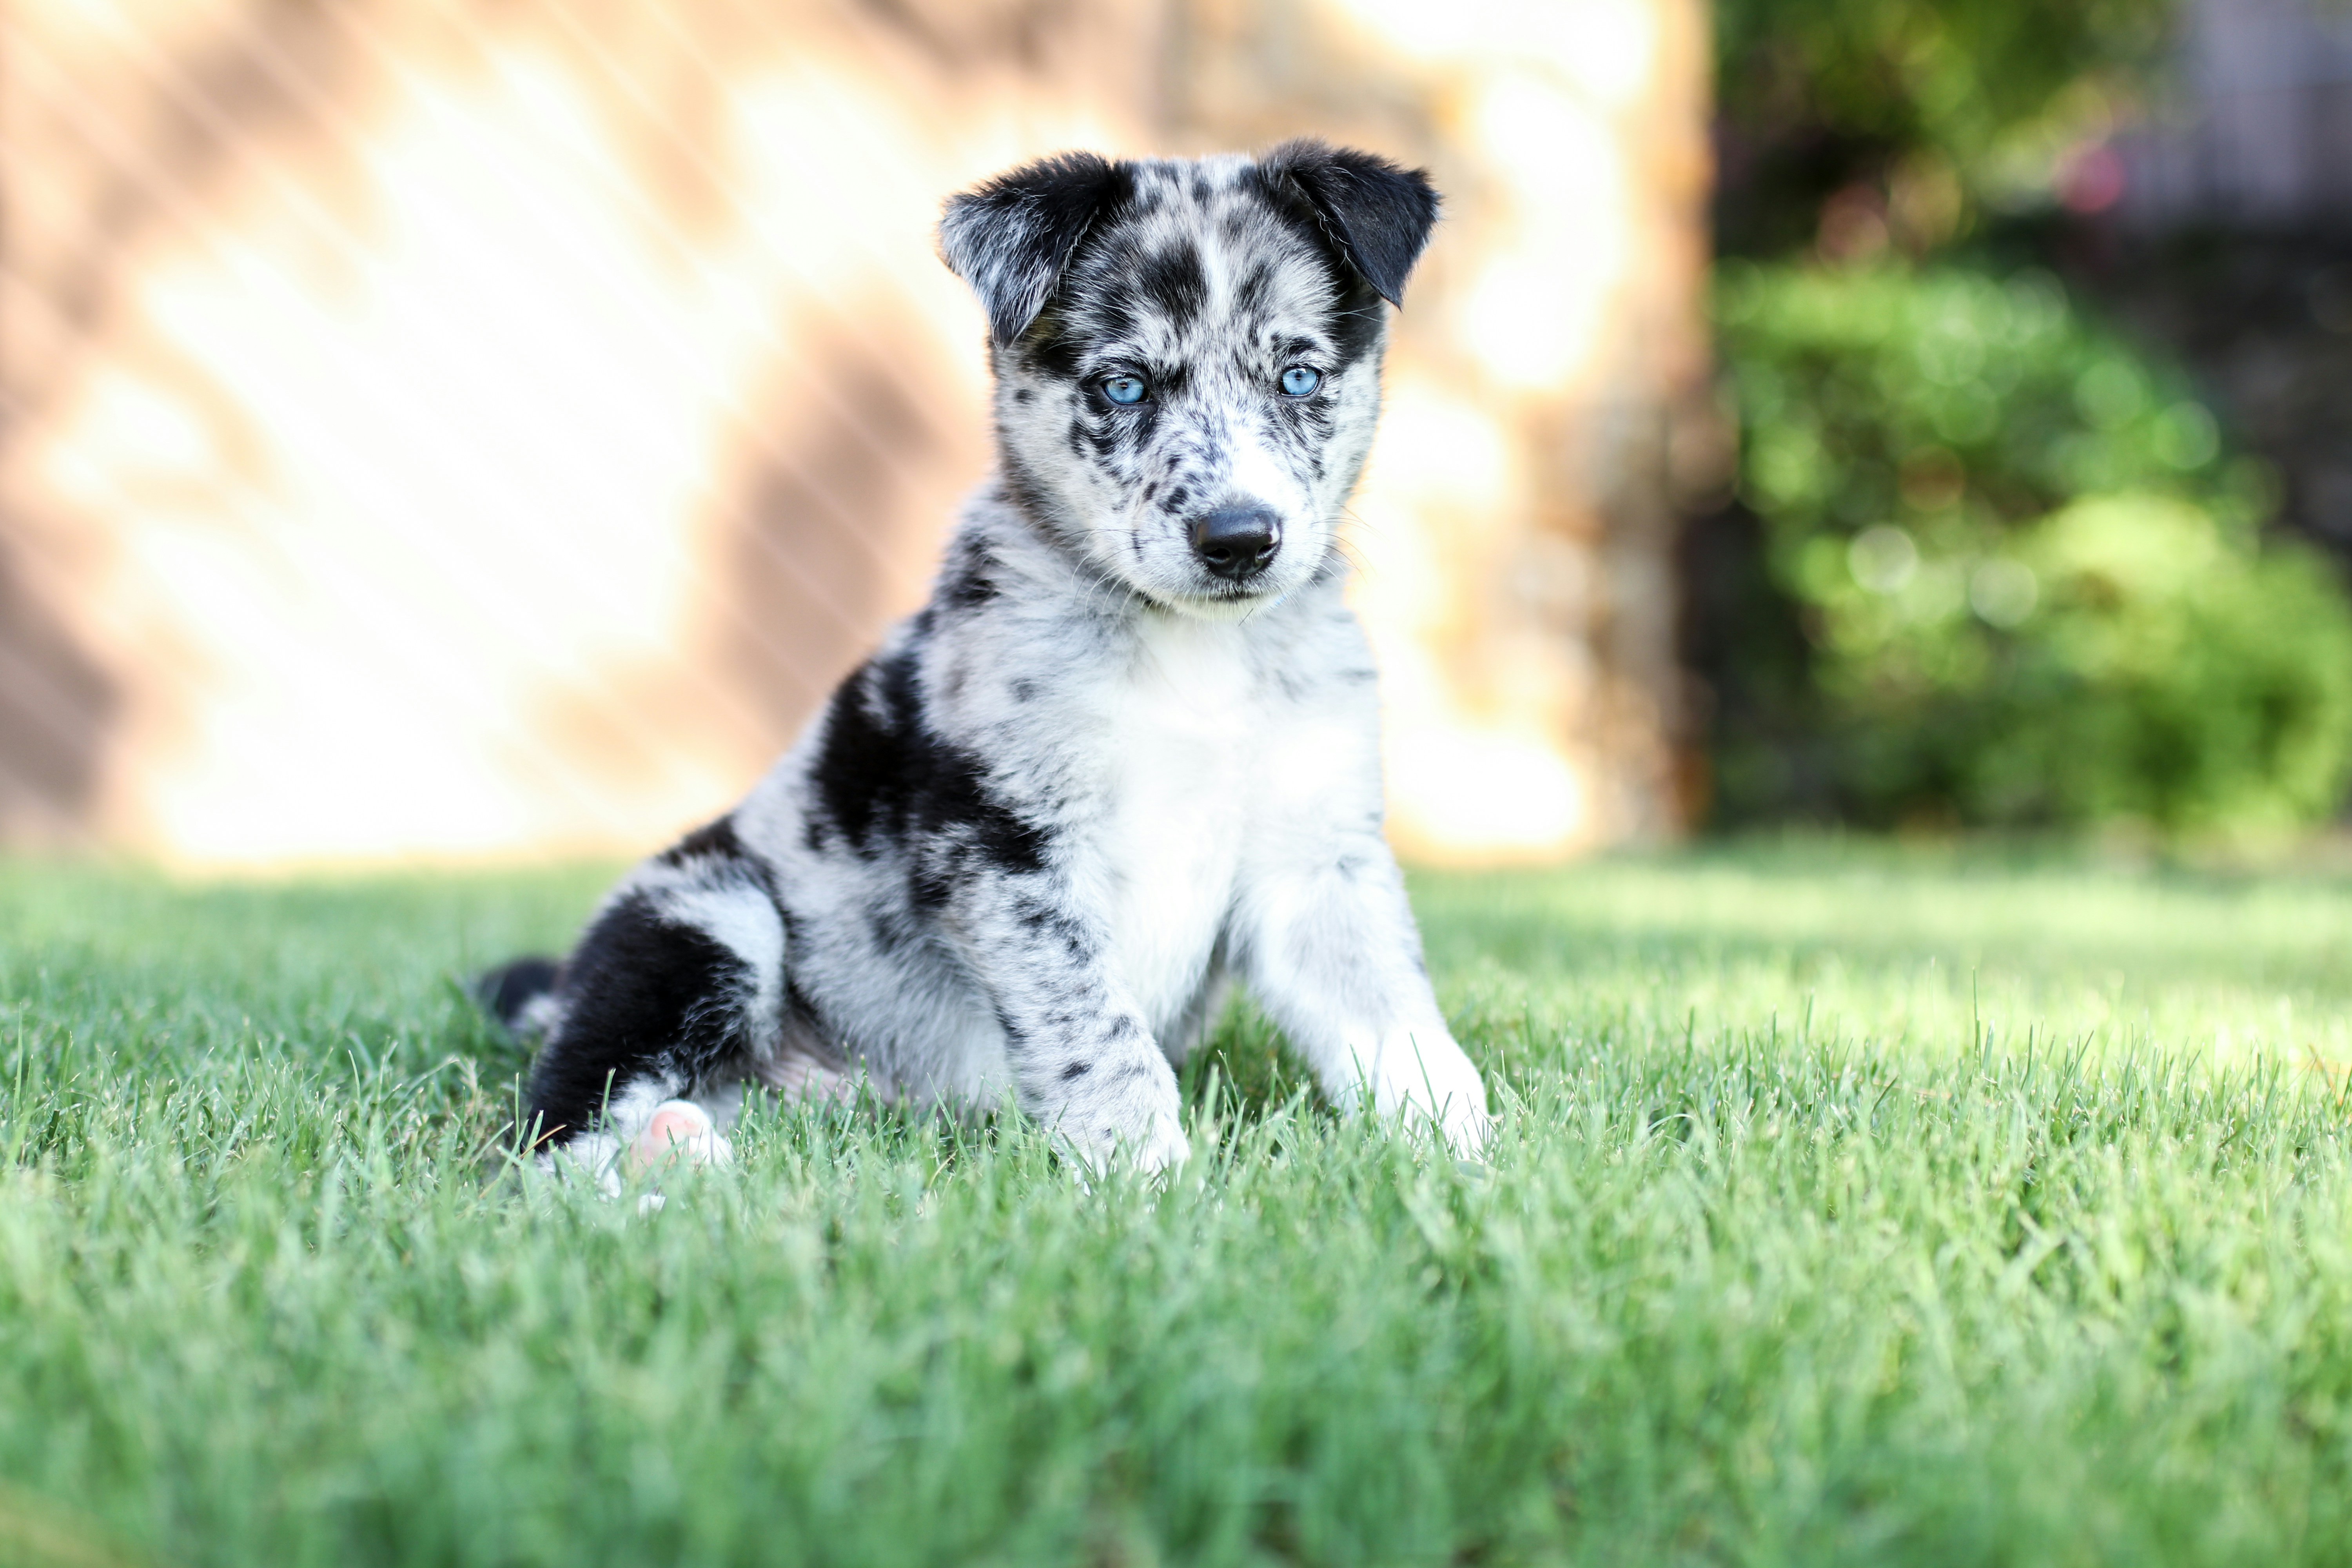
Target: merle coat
[[1129, 750]]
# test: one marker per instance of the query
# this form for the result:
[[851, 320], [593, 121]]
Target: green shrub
[[2032, 588]]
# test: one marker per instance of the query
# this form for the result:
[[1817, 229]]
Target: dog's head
[[1187, 354]]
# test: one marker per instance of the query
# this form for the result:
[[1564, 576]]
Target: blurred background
[[2032, 323], [433, 430]]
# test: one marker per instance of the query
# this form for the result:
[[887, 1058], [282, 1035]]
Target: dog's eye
[[1299, 381], [1124, 389]]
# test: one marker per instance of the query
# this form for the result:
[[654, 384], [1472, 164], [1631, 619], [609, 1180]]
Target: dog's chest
[[1185, 730]]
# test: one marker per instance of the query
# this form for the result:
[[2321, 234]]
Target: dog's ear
[[1376, 214], [1011, 237]]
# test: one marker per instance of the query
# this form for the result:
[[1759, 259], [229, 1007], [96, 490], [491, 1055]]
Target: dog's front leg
[[1084, 1060], [1327, 942]]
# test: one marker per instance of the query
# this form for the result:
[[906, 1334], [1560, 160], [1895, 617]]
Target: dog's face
[[1187, 355]]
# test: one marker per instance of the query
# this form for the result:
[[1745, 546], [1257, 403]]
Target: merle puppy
[[1129, 749]]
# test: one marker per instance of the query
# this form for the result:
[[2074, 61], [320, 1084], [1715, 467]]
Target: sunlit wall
[[446, 429]]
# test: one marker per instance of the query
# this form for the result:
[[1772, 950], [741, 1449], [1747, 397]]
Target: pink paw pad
[[679, 1133]]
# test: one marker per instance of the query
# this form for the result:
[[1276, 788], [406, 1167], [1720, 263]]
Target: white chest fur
[[1184, 728]]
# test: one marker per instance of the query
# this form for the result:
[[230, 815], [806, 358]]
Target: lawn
[[1851, 1204]]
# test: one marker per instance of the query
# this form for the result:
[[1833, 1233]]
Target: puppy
[[1128, 751]]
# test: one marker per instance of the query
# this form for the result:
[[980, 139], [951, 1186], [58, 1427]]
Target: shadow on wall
[[57, 706], [835, 525]]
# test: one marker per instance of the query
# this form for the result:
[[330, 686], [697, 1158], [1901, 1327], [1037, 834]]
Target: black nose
[[1236, 541]]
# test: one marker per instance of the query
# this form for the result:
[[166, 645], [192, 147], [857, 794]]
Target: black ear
[[1377, 213], [1011, 237]]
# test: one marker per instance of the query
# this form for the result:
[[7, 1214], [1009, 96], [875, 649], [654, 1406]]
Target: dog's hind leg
[[672, 996]]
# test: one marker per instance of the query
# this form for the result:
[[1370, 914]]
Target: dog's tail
[[520, 995]]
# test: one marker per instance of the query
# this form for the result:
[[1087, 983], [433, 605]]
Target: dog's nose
[[1236, 543]]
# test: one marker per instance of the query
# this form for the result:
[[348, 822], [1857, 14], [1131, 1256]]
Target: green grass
[[1851, 1204]]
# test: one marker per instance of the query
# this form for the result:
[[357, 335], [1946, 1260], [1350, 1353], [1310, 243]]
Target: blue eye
[[1124, 389], [1299, 381]]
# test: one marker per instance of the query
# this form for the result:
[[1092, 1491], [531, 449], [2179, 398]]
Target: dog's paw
[[1162, 1147], [1118, 1115], [1158, 1145], [678, 1132], [1435, 1085], [1466, 1127]]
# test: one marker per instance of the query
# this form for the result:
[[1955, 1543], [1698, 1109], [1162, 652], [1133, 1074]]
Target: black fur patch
[[1011, 238], [1173, 281], [715, 839], [883, 775], [859, 773], [968, 581], [506, 991], [646, 995], [1378, 213]]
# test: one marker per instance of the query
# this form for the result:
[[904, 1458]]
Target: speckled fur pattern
[[1030, 841]]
